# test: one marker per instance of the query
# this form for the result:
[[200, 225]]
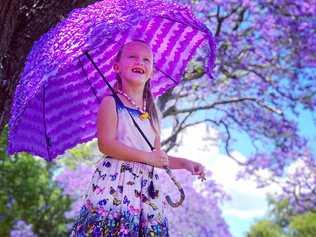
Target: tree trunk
[[8, 22]]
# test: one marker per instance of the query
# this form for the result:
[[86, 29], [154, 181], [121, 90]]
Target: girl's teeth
[[137, 71]]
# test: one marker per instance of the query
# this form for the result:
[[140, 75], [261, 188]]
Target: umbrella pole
[[168, 171]]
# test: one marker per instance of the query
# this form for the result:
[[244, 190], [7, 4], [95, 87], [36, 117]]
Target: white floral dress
[[118, 202]]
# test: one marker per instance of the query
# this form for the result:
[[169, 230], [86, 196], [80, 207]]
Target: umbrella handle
[[182, 195]]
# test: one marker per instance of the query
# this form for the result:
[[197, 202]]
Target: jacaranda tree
[[263, 81]]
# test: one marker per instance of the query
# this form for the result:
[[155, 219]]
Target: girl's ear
[[116, 67]]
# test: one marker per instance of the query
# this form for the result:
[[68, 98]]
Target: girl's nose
[[139, 62]]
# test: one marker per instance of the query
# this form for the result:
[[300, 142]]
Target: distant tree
[[265, 228], [282, 221], [304, 225]]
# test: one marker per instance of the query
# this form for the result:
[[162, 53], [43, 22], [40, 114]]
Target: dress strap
[[120, 105]]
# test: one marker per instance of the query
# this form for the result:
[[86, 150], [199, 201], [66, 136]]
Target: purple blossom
[[22, 229]]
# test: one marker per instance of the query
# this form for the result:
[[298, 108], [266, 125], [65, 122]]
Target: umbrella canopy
[[58, 96]]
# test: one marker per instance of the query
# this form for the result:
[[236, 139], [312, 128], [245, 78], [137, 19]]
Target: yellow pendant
[[144, 116]]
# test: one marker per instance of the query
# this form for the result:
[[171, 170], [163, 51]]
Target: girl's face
[[135, 64]]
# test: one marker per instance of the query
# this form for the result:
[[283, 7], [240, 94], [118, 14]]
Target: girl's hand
[[158, 158], [195, 168]]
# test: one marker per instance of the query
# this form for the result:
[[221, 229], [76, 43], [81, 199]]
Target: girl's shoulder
[[108, 94], [108, 103], [111, 97], [107, 97], [113, 101]]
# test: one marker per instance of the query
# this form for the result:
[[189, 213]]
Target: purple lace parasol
[[57, 99]]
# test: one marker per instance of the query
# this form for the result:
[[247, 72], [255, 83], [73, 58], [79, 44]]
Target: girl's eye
[[134, 56]]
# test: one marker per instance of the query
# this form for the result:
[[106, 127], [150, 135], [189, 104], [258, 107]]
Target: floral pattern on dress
[[99, 222]]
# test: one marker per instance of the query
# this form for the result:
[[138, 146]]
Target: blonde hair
[[147, 95]]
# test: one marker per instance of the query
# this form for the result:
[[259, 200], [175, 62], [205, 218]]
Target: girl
[[118, 202]]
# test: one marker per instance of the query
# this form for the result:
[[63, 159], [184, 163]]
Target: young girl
[[118, 202]]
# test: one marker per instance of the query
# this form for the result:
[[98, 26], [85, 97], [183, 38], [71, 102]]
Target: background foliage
[[29, 193]]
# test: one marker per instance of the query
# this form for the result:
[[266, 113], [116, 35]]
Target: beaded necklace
[[144, 114]]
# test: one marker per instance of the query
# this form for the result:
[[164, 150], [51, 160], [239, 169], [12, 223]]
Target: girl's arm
[[181, 163], [177, 162]]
